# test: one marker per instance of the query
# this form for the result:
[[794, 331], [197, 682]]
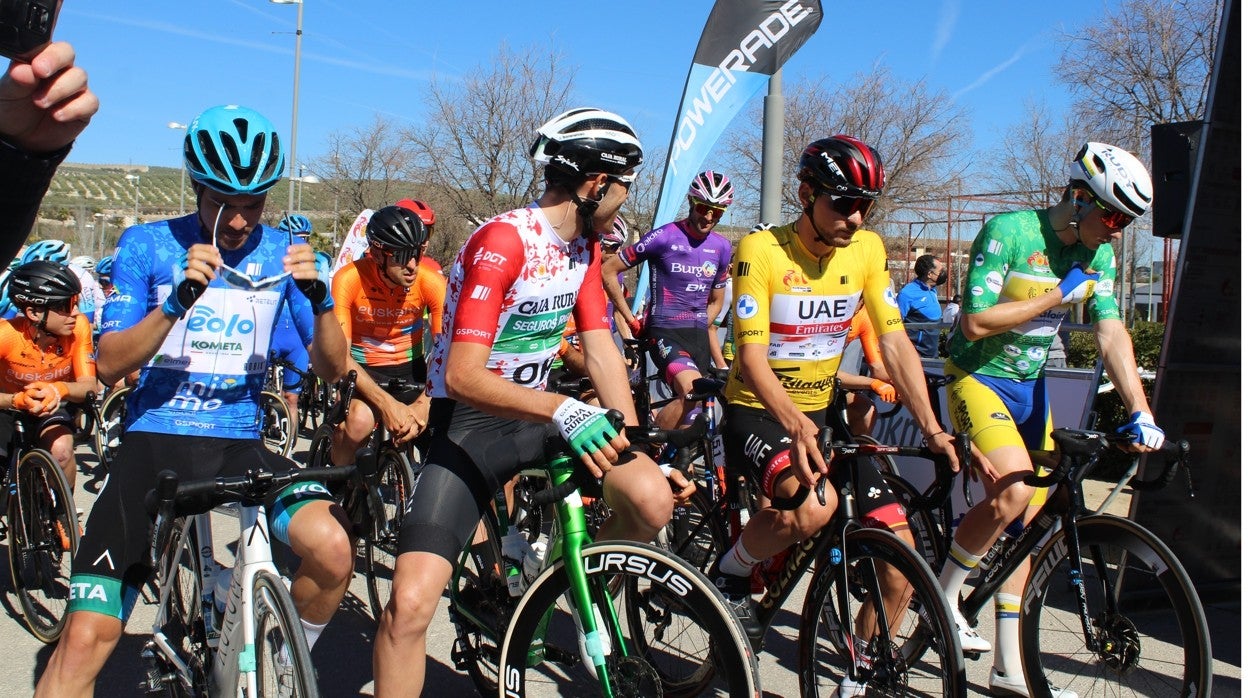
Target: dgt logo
[[204, 319]]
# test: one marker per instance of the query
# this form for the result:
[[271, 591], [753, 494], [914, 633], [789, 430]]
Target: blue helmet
[[47, 250], [234, 150], [295, 223], [104, 267]]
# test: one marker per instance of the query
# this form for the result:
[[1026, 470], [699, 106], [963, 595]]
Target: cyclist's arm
[[1004, 317], [393, 413], [82, 361], [853, 381], [1118, 353], [712, 330], [434, 293], [615, 292], [127, 348], [605, 366]]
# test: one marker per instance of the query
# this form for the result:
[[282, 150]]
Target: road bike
[[578, 628], [1108, 607], [42, 529], [256, 647]]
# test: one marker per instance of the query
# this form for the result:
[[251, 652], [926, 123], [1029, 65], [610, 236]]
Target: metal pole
[[294, 112], [773, 151]]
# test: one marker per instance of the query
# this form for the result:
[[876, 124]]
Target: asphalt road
[[343, 656]]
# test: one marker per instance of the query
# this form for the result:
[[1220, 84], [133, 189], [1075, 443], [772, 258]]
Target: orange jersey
[[860, 327], [385, 324], [22, 361]]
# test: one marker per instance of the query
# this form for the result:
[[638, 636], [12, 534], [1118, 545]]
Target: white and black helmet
[[1114, 176], [41, 283], [586, 141]]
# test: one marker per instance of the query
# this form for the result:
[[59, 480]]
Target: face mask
[[942, 278]]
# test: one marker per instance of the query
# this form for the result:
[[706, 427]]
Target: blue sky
[[152, 62]]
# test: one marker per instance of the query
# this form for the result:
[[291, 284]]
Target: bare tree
[[364, 166], [916, 130], [1033, 161], [474, 146], [1140, 63]]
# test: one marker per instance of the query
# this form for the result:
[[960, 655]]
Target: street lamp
[[135, 178], [294, 111], [182, 191]]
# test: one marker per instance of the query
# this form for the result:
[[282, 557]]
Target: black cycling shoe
[[736, 591]]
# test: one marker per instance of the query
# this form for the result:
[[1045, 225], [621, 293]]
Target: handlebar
[[635, 435], [170, 499], [1083, 448]]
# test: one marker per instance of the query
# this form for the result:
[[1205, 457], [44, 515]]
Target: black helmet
[[842, 166], [395, 227], [585, 141], [41, 284]]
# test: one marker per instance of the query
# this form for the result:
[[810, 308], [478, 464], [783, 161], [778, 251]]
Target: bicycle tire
[[108, 432], [931, 529], [318, 450], [1137, 654], [279, 631], [823, 658], [480, 608], [543, 618], [381, 548], [43, 539], [277, 427], [185, 626]]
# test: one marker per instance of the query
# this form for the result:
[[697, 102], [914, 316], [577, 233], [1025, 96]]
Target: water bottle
[[515, 549], [534, 559], [221, 593]]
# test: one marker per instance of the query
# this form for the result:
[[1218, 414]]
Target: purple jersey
[[683, 270]]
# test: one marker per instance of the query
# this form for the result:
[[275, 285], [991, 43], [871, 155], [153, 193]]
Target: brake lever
[[819, 490]]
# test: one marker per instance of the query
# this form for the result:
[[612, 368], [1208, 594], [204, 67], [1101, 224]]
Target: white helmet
[[586, 141], [1114, 176], [84, 263]]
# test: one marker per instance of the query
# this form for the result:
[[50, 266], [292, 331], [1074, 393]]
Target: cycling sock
[[312, 631], [1008, 658], [738, 561], [958, 565]]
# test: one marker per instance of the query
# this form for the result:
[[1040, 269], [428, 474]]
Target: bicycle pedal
[[973, 656]]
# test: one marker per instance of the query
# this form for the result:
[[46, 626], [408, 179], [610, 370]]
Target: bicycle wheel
[[824, 658], [1149, 628], [381, 548], [480, 608], [185, 624], [318, 451], [277, 429], [283, 664], [43, 537], [930, 527], [540, 650], [112, 420]]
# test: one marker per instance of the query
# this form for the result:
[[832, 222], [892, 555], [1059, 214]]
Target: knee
[[810, 518], [1012, 500], [321, 541], [360, 423], [85, 636], [410, 611], [62, 449]]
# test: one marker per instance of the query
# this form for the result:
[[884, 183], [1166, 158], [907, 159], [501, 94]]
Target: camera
[[26, 26]]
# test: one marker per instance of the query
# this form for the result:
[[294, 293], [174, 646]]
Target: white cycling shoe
[[851, 688], [971, 641], [1001, 685]]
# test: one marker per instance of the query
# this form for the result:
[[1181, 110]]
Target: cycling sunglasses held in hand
[[235, 278]]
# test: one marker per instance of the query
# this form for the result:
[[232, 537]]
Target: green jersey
[[1017, 256]]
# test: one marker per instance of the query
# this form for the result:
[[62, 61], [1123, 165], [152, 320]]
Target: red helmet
[[420, 208], [843, 166]]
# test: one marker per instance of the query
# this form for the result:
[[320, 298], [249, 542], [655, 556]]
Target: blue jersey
[[207, 376]]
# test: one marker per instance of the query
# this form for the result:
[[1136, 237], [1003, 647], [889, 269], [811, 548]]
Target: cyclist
[[689, 265], [104, 275], [797, 287], [380, 301], [612, 240], [286, 341], [1029, 268], [512, 288], [197, 299], [46, 359]]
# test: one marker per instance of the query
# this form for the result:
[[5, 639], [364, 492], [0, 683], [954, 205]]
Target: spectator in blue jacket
[[918, 303]]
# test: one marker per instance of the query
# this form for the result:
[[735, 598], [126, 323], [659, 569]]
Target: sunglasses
[[65, 307], [401, 255], [1111, 217], [236, 278], [705, 209], [849, 205]]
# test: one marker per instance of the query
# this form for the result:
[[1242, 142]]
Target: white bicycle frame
[[233, 671]]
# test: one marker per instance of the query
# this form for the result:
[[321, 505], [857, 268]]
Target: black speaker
[[1174, 167]]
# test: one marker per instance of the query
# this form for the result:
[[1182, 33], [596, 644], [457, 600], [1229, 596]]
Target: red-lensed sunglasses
[[1111, 217], [849, 205], [703, 209]]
